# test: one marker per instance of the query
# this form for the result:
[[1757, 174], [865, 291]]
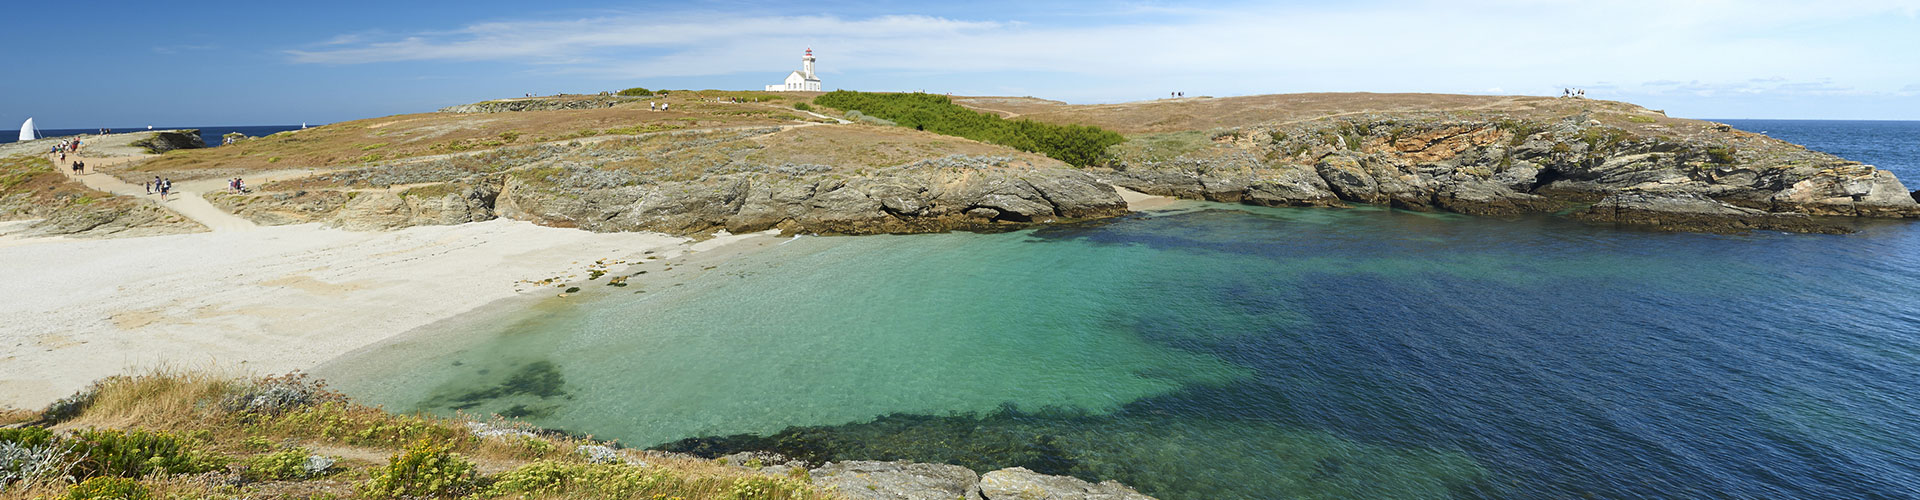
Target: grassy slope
[[209, 413]]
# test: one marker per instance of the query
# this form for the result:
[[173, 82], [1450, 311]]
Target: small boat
[[27, 133]]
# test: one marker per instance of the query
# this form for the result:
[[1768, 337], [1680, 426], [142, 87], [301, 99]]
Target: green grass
[[1077, 145]]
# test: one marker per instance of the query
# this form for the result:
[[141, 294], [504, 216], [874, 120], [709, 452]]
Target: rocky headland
[[748, 166]]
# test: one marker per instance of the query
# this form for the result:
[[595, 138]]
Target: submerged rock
[[864, 480], [1018, 483]]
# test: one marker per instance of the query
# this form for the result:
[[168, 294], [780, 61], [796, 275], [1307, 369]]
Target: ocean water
[[1223, 351], [211, 134]]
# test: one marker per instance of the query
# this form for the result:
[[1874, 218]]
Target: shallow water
[[1243, 352]]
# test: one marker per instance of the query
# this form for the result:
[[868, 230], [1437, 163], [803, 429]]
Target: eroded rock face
[[1695, 213], [900, 200], [1018, 483], [169, 140], [1489, 167], [863, 480]]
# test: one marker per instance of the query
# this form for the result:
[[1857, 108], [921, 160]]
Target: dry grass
[[384, 139], [1205, 113], [199, 405]]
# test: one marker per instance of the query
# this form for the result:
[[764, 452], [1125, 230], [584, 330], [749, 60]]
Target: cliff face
[[1500, 166], [681, 187]]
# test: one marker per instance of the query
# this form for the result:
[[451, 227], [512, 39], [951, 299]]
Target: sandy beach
[[268, 300]]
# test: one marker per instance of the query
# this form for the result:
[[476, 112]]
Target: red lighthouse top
[[809, 50]]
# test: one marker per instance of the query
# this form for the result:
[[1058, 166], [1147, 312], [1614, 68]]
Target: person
[[239, 184], [653, 106], [148, 185], [79, 167], [162, 186]]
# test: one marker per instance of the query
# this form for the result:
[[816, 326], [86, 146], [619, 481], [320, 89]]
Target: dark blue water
[[1891, 145], [211, 134], [1254, 353]]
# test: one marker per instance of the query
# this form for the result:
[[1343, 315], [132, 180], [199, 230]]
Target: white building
[[802, 80]]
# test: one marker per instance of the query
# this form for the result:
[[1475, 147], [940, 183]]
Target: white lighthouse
[[802, 80]]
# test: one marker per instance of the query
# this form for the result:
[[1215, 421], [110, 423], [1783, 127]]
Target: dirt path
[[186, 203]]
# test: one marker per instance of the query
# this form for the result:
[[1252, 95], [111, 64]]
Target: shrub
[[1722, 154], [636, 91], [1078, 145], [25, 465], [26, 436], [68, 407], [425, 469], [292, 463], [275, 395], [802, 106], [138, 453], [109, 488]]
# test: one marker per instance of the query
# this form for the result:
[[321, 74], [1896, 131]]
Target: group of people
[[1176, 95], [68, 146], [1573, 93], [657, 106], [237, 185], [159, 185]]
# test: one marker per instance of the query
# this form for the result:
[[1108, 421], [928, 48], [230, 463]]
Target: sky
[[130, 64]]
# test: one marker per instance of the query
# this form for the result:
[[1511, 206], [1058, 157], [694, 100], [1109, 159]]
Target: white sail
[[27, 133]]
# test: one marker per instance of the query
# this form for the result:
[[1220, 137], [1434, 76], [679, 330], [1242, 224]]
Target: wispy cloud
[[1435, 45]]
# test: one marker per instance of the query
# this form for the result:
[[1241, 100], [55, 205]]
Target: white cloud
[[1426, 45]]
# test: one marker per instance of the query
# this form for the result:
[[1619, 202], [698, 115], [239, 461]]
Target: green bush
[[292, 463], [1078, 145], [1722, 155], [802, 106], [425, 469], [26, 436], [109, 488], [138, 453], [636, 91]]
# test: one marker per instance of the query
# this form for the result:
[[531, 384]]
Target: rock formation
[[541, 104], [1505, 167]]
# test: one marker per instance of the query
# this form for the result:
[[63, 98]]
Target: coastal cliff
[[750, 162]]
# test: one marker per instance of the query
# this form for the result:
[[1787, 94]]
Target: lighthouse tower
[[806, 65], [803, 80]]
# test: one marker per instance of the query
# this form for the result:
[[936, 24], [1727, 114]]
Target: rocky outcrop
[[913, 198], [899, 200], [100, 219], [863, 480], [1021, 484], [541, 104], [1695, 213], [169, 140], [1504, 167]]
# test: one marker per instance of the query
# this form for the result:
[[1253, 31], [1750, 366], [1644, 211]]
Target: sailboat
[[27, 133]]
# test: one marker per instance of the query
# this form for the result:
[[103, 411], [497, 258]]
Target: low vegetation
[[193, 435], [1077, 145]]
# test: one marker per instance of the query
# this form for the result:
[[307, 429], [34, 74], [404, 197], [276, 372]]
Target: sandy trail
[[269, 300], [184, 202]]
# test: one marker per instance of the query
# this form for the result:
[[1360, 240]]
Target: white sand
[[268, 300]]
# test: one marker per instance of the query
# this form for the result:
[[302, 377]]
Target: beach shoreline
[[276, 299]]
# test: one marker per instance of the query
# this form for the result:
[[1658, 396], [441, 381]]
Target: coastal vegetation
[[636, 92], [1077, 145], [194, 435]]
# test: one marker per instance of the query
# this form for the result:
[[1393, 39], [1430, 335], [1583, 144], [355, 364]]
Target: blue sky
[[137, 63]]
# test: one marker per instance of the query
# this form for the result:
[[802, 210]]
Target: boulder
[[169, 140], [863, 480], [1018, 483]]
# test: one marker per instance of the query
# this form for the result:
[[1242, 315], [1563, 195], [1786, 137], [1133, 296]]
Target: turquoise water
[[1245, 352]]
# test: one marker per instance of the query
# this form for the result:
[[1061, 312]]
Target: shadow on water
[[531, 390], [1162, 455]]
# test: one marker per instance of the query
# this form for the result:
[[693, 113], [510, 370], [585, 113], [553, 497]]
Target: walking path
[[186, 203]]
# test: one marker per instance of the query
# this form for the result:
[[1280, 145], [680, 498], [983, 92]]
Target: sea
[[211, 135], [1215, 351]]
